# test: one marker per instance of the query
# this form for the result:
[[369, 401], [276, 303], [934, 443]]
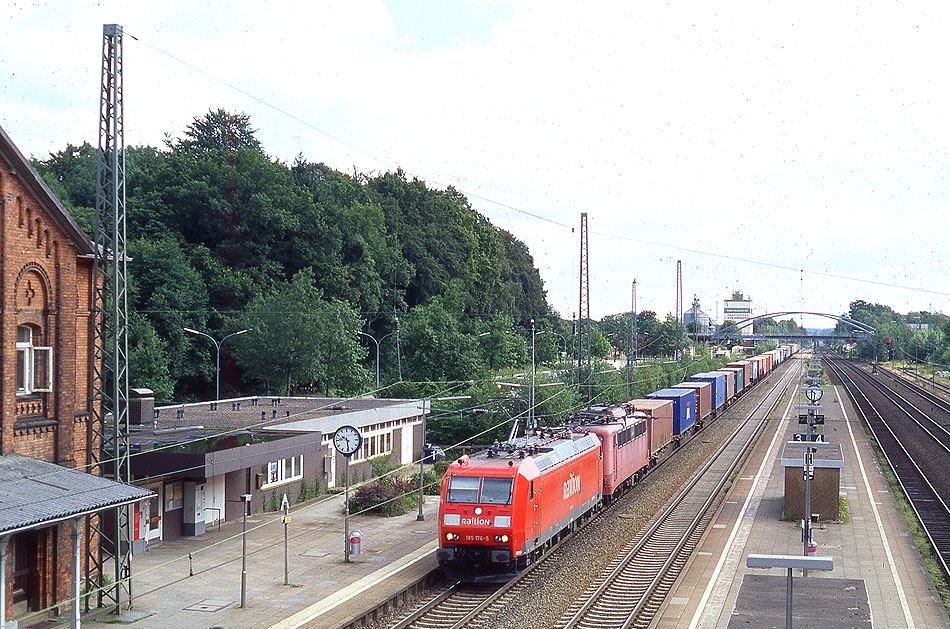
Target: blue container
[[684, 407], [718, 381]]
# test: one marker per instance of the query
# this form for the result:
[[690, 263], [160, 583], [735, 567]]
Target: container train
[[503, 507]]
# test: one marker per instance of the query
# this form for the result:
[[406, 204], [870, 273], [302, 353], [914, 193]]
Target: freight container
[[684, 407], [660, 424], [703, 398], [738, 374], [746, 367], [718, 382], [776, 357], [730, 379]]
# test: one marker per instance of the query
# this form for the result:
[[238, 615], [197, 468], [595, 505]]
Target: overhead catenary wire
[[285, 112]]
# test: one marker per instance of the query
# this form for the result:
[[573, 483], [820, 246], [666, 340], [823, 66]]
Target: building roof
[[43, 195], [267, 415], [35, 493], [281, 413]]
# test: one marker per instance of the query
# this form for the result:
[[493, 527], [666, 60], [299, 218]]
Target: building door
[[152, 513], [25, 570], [329, 467]]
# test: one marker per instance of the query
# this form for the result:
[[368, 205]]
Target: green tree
[[501, 346], [148, 359], [299, 339], [435, 348]]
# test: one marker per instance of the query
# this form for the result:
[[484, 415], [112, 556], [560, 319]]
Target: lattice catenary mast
[[679, 306], [109, 438], [583, 320]]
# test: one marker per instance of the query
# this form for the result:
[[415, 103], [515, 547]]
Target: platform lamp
[[217, 347]]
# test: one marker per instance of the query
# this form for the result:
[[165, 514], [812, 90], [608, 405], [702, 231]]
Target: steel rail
[[900, 401], [931, 511], [633, 580]]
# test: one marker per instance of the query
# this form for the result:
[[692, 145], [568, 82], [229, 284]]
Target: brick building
[[46, 335]]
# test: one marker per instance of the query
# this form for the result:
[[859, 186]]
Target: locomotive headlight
[[504, 538], [478, 510], [501, 538], [451, 536]]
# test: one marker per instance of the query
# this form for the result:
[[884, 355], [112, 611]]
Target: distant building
[[737, 309], [697, 315]]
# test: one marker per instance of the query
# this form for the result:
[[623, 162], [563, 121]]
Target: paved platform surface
[[324, 590], [873, 546], [818, 603]]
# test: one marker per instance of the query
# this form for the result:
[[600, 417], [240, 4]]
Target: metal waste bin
[[356, 539]]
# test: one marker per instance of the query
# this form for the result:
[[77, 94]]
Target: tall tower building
[[737, 309]]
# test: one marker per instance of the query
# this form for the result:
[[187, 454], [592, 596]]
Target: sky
[[797, 152]]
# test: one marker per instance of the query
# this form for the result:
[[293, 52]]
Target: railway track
[[913, 373], [931, 510], [637, 581]]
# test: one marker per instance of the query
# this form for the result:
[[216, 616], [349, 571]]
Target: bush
[[387, 496], [308, 490], [383, 464], [433, 482]]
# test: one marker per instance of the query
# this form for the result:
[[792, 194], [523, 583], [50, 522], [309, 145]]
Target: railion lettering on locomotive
[[572, 486], [475, 521]]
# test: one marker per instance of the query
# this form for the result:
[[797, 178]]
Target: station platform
[[170, 591], [878, 577]]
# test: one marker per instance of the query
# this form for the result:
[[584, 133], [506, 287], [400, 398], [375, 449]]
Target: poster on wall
[[173, 496]]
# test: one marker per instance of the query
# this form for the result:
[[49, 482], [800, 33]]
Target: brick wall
[[46, 285]]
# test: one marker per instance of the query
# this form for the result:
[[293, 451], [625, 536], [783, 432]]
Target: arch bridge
[[858, 331]]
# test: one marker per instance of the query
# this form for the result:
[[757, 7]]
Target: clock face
[[813, 394], [347, 440]]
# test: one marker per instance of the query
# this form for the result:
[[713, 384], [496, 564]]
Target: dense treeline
[[223, 238], [916, 337]]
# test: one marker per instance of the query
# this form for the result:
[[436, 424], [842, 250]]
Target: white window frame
[[279, 469], [31, 361]]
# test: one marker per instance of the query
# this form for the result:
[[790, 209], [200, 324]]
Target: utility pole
[[679, 308], [110, 364], [583, 321]]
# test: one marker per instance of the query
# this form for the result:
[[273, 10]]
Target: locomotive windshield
[[496, 491], [475, 489]]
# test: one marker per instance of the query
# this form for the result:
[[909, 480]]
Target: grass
[[921, 541]]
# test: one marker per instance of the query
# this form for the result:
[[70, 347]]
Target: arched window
[[34, 365]]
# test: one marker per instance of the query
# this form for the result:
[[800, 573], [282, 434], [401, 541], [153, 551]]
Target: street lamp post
[[381, 339], [217, 364], [561, 336], [531, 407], [398, 355]]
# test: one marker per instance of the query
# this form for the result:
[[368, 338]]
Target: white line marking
[[314, 611], [877, 516]]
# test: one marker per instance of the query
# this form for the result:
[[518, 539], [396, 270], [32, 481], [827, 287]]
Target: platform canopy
[[35, 493]]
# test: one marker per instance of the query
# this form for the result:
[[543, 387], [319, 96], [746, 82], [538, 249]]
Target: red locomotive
[[501, 508]]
